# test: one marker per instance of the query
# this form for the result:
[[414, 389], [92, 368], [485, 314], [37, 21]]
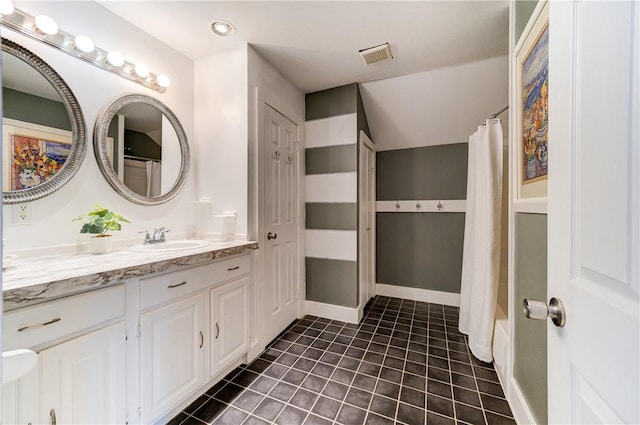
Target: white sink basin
[[169, 246]]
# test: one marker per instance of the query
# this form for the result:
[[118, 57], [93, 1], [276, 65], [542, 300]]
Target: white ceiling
[[315, 43], [449, 72]]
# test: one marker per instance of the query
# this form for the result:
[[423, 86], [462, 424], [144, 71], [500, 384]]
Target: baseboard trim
[[418, 294], [333, 312], [519, 407], [501, 347]]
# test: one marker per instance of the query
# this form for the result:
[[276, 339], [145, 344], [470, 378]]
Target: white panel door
[[229, 323], [84, 379], [281, 223], [367, 212], [594, 218], [171, 355]]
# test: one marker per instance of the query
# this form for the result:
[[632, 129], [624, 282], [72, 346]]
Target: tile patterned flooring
[[406, 362]]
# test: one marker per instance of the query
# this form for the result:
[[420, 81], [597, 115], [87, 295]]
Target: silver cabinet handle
[[52, 414], [538, 310], [217, 330], [175, 285], [39, 325], [201, 339], [233, 268]]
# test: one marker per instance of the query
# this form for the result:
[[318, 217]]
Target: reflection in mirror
[[142, 149], [43, 129]]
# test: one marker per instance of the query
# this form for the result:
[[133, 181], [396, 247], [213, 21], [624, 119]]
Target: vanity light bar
[[25, 24]]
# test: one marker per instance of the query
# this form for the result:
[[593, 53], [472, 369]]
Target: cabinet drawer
[[160, 289], [44, 324]]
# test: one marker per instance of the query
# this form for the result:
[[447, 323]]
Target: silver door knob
[[538, 310], [272, 236]]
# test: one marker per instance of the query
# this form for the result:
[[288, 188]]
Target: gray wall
[[34, 109], [530, 336], [432, 172], [524, 9], [333, 280], [421, 250]]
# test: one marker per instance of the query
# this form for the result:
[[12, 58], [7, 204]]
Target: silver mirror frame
[[100, 149], [78, 129]]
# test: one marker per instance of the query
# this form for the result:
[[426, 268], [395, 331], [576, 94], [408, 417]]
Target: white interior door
[[594, 186], [367, 212], [281, 222]]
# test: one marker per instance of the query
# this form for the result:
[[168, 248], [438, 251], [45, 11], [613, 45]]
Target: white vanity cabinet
[[229, 323], [135, 352], [192, 324], [171, 354], [82, 368]]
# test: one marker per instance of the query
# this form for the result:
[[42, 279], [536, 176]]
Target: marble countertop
[[30, 281]]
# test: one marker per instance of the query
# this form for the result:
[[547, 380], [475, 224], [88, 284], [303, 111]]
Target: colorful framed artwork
[[32, 153], [532, 79]]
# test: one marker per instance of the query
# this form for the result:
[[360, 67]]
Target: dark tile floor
[[406, 362]]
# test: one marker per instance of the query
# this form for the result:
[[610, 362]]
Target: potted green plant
[[98, 222]]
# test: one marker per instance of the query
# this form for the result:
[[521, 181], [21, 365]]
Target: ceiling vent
[[376, 54]]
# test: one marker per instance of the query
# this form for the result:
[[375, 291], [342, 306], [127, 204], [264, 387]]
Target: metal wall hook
[[397, 205], [418, 206], [439, 206]]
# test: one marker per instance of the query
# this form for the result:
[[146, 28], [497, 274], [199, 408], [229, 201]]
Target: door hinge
[[138, 331], [298, 294], [139, 411]]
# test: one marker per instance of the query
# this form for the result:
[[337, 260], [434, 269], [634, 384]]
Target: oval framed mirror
[[142, 149], [43, 129]]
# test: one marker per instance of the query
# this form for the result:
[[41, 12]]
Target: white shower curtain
[[481, 251], [154, 170]]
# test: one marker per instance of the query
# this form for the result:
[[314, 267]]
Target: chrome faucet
[[157, 236]]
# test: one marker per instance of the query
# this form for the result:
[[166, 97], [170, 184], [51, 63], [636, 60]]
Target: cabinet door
[[83, 380], [171, 359], [229, 323], [21, 399]]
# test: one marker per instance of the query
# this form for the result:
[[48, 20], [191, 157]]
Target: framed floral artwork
[[32, 153], [532, 113]]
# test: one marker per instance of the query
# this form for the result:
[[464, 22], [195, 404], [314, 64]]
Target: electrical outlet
[[22, 214]]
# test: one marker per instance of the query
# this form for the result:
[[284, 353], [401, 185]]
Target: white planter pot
[[100, 244]]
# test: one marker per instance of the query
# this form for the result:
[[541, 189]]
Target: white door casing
[[281, 222], [594, 214], [366, 222]]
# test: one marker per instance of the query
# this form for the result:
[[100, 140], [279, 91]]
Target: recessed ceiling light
[[222, 28]]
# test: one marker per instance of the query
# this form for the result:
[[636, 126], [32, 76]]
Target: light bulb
[[163, 80], [115, 58], [84, 44], [46, 25], [142, 70], [6, 7], [221, 28]]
